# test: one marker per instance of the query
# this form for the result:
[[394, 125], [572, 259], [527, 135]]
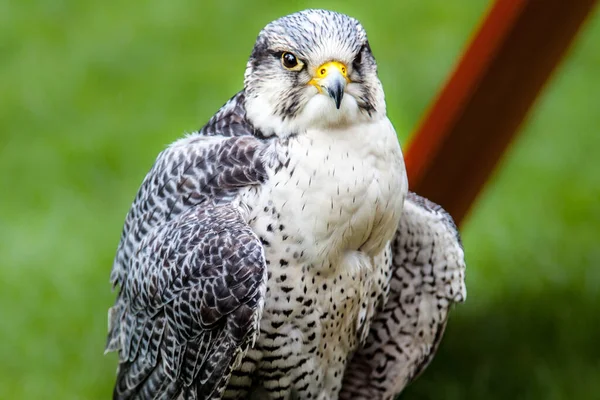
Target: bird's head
[[312, 70]]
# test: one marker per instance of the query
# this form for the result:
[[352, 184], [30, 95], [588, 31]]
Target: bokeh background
[[91, 91]]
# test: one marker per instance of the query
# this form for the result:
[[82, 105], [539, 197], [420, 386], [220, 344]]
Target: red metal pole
[[471, 123]]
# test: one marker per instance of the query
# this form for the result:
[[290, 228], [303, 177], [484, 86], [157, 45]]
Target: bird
[[277, 253]]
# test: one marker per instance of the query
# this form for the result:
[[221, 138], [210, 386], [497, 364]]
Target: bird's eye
[[291, 62]]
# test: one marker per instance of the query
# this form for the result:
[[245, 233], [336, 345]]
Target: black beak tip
[[336, 93], [338, 102]]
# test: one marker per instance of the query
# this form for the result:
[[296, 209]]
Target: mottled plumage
[[428, 277], [276, 253]]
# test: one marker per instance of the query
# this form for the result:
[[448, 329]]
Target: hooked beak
[[331, 78]]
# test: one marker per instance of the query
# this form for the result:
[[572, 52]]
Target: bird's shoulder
[[231, 120], [428, 245], [212, 166]]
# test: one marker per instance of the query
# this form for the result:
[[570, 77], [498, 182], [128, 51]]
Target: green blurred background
[[90, 92]]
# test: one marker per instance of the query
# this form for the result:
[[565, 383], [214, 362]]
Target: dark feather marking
[[194, 301], [391, 335], [186, 271]]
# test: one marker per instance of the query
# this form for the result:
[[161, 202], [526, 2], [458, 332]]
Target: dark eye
[[289, 60]]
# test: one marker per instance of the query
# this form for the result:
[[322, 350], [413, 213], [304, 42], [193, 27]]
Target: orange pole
[[478, 112]]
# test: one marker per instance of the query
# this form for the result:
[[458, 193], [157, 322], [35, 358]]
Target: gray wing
[[192, 274], [192, 172], [428, 271]]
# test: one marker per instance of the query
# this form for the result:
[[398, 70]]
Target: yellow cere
[[324, 69]]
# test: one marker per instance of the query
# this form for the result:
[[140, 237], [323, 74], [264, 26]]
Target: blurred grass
[[90, 92]]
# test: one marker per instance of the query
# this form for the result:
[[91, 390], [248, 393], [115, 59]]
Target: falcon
[[277, 253]]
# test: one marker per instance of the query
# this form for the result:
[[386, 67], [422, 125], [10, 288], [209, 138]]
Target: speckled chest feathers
[[325, 218]]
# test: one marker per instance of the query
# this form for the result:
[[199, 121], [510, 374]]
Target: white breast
[[342, 190]]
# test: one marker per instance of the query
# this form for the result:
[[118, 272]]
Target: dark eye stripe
[[358, 59]]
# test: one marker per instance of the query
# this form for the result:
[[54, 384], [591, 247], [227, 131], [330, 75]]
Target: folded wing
[[428, 271], [191, 273]]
